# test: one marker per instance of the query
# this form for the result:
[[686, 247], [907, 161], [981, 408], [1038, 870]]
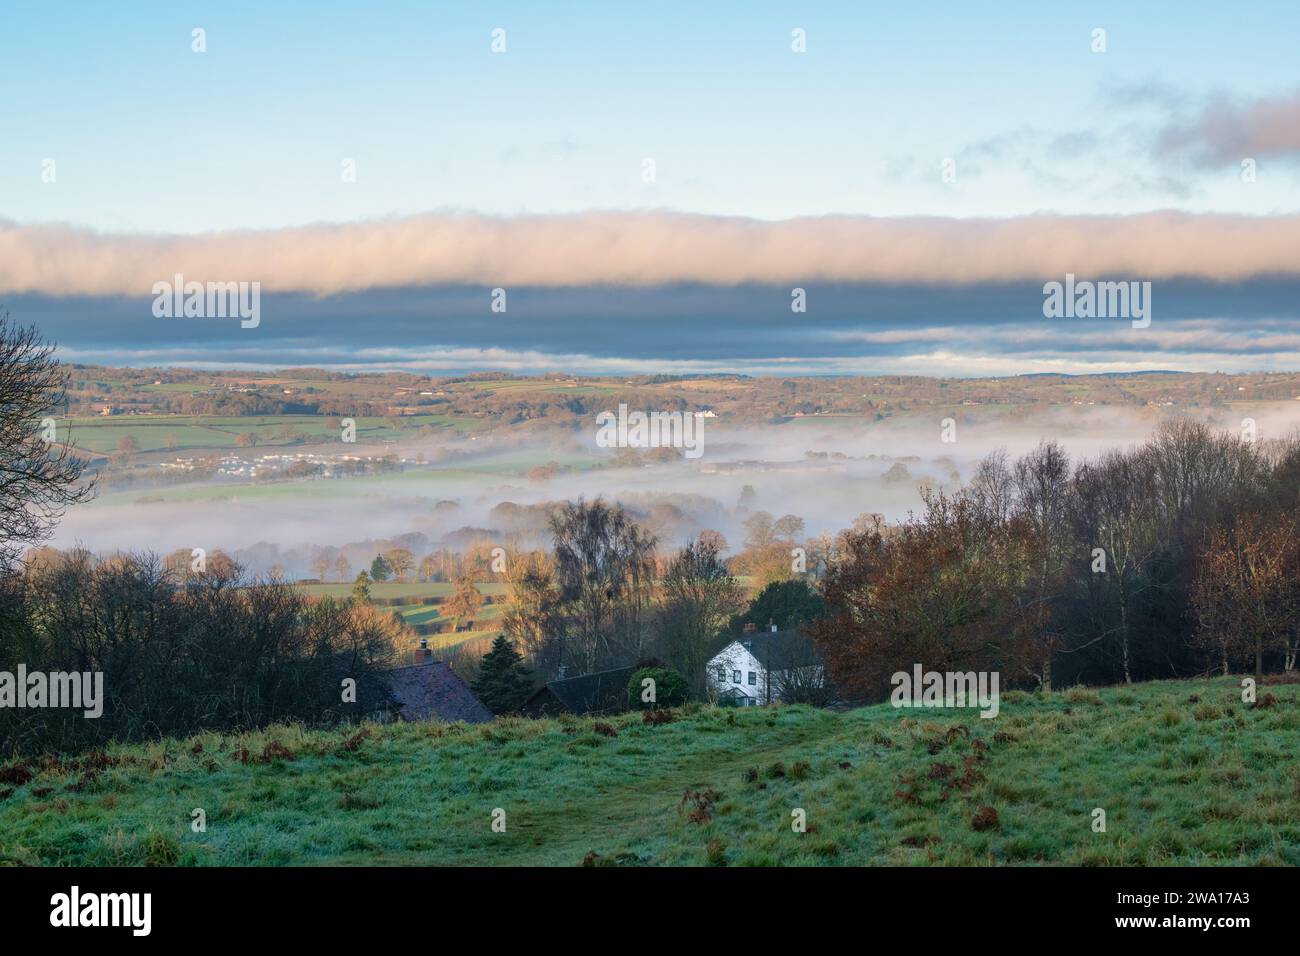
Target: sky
[[649, 182]]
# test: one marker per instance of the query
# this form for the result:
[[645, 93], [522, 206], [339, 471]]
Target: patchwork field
[[1185, 772], [419, 604]]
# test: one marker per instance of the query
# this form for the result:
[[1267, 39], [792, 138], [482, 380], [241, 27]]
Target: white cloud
[[651, 248]]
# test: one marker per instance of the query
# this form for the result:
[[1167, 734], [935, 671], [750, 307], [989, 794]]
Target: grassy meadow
[[1186, 773]]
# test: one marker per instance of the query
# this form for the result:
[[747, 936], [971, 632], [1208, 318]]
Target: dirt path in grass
[[551, 833]]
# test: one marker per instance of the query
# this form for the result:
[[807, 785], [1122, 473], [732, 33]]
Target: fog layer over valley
[[454, 493]]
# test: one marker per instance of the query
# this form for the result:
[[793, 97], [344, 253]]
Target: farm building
[[600, 693], [761, 667], [430, 690]]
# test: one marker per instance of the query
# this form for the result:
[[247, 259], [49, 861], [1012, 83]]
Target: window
[[735, 677], [722, 675], [753, 678]]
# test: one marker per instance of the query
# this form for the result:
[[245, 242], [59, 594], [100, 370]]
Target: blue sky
[[149, 137]]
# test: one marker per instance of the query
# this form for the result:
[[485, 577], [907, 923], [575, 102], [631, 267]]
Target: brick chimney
[[750, 627], [422, 654]]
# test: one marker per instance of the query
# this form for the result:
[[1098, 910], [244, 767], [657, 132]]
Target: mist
[[826, 471]]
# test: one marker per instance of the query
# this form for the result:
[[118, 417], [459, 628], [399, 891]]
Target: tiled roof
[[432, 691]]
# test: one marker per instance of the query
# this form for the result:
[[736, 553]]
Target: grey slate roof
[[432, 691], [601, 692], [783, 648]]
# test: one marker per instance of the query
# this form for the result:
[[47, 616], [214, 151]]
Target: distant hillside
[[385, 403], [1185, 772]]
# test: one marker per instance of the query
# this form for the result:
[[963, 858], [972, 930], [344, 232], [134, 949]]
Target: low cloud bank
[[652, 248]]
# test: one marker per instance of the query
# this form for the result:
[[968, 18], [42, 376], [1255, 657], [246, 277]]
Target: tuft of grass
[[1082, 695]]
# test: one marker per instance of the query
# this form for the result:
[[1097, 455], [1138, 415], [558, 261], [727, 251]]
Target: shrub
[[1081, 695], [716, 853], [670, 688], [986, 818], [652, 718], [701, 802]]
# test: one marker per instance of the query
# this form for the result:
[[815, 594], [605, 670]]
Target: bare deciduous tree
[[39, 478], [604, 569]]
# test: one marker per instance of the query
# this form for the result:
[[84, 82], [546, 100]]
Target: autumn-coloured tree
[[788, 528], [714, 539], [464, 604], [320, 565], [759, 531], [221, 566], [531, 618], [342, 567], [399, 561], [1246, 592], [373, 633], [442, 565], [940, 592], [765, 565], [180, 564]]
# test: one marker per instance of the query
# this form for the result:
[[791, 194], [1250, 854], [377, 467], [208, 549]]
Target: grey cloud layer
[[650, 249], [1225, 132], [986, 328]]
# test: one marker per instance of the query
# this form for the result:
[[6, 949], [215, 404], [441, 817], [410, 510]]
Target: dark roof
[[432, 691], [585, 694], [781, 648]]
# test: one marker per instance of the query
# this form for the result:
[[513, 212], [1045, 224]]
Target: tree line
[[184, 653], [1177, 557]]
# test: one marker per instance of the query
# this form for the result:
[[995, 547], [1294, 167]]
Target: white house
[[741, 672]]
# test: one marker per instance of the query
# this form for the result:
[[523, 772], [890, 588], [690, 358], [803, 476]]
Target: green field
[[396, 589], [427, 618], [1186, 773]]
